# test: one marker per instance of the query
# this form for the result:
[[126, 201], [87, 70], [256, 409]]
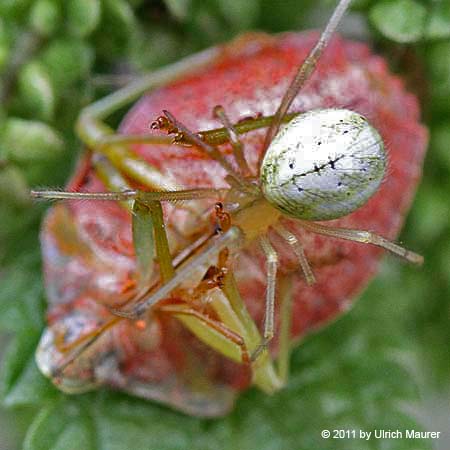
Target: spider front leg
[[232, 332], [100, 137], [233, 136], [230, 239], [305, 70]]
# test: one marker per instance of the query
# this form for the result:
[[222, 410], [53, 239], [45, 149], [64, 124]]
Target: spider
[[319, 165]]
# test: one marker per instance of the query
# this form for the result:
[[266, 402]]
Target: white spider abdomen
[[323, 164]]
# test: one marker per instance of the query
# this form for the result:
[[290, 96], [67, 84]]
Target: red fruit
[[88, 253]]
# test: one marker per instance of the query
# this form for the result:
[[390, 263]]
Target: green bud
[[400, 20], [27, 142], [67, 61], [83, 16], [36, 91], [13, 186], [45, 17]]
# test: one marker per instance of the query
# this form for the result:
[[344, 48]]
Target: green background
[[385, 365]]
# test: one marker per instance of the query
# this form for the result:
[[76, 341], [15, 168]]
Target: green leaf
[[359, 373], [45, 16], [138, 424], [13, 187], [438, 22], [22, 312], [67, 60], [155, 47], [179, 8], [440, 138], [400, 20], [5, 44], [117, 29], [438, 65], [355, 375], [14, 9], [240, 14], [83, 16], [21, 291], [30, 141], [4, 53], [432, 204], [60, 426], [9, 215], [36, 91], [21, 382]]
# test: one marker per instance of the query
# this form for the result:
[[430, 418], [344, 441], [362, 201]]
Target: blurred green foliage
[[385, 365]]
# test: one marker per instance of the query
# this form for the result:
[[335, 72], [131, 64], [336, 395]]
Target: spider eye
[[323, 164]]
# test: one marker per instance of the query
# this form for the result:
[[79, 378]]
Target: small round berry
[[323, 164]]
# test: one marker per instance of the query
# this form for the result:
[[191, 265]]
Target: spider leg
[[305, 70], [272, 266], [365, 237], [208, 149], [148, 235], [233, 136], [213, 332], [76, 348], [230, 308], [291, 239], [132, 194], [231, 238]]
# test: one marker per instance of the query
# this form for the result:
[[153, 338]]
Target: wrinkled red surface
[[348, 75], [249, 79]]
